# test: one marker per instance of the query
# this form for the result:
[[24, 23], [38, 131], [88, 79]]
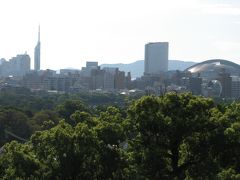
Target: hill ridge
[[137, 68]]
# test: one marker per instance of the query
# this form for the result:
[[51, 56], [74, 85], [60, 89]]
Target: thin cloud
[[227, 45], [221, 9]]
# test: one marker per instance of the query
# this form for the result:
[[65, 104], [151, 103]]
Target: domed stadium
[[212, 68]]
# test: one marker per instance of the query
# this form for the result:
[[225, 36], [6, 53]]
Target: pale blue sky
[[115, 31]]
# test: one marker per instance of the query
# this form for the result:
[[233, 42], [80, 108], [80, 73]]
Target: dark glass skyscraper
[[37, 51]]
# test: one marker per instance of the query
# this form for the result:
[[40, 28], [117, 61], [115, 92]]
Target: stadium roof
[[214, 65]]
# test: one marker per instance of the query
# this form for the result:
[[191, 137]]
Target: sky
[[115, 31]]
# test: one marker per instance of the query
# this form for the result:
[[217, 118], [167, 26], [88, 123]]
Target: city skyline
[[73, 32]]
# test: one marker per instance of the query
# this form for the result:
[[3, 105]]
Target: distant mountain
[[137, 68]]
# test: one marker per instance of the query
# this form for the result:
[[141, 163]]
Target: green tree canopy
[[43, 120], [13, 123], [172, 135], [175, 136], [66, 109]]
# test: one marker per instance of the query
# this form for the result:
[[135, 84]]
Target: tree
[[227, 138], [67, 152], [17, 161], [226, 174], [172, 135], [111, 134], [82, 117], [43, 120], [15, 122], [175, 136], [66, 109]]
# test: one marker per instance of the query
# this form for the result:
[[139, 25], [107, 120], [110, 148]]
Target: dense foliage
[[175, 136]]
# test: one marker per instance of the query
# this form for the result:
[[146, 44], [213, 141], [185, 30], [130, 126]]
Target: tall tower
[[156, 58], [37, 53]]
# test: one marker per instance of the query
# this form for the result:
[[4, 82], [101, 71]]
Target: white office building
[[156, 58]]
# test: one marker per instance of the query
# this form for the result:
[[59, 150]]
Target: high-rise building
[[90, 64], [156, 58], [195, 85], [37, 53], [109, 76], [120, 80], [16, 66], [235, 87], [226, 82]]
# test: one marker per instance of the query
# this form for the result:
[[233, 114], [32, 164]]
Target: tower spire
[[37, 51], [39, 33]]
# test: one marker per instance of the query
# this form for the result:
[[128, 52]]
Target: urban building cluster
[[19, 66], [212, 78], [16, 66], [91, 77]]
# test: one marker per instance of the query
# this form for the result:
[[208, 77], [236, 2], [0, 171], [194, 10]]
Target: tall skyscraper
[[156, 58], [37, 51]]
